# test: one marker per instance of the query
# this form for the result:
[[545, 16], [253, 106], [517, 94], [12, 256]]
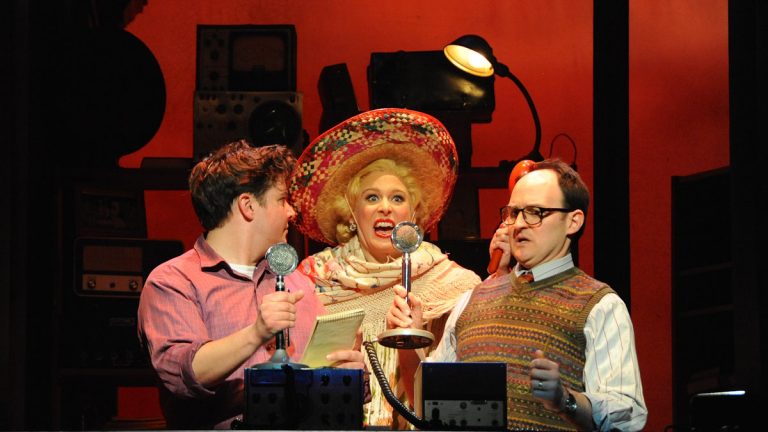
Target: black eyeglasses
[[531, 215]]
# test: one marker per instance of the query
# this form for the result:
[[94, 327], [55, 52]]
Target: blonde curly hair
[[342, 204]]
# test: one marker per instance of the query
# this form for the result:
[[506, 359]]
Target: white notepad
[[332, 332]]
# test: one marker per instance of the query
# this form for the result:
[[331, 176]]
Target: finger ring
[[540, 385]]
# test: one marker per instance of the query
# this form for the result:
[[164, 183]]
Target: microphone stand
[[280, 359], [406, 237]]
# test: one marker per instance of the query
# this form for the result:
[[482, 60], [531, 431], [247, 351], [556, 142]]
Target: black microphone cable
[[388, 393]]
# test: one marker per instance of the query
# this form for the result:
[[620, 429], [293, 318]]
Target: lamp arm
[[503, 71]]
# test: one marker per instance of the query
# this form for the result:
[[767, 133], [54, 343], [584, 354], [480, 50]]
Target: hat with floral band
[[411, 138]]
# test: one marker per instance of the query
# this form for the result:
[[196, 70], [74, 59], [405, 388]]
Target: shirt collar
[[212, 261], [209, 259], [548, 269]]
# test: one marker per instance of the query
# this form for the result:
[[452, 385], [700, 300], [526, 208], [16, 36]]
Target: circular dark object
[[274, 122], [118, 94]]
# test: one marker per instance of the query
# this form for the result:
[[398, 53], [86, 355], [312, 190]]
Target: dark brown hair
[[234, 169], [575, 191]]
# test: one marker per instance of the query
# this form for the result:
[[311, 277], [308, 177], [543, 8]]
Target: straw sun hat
[[411, 138]]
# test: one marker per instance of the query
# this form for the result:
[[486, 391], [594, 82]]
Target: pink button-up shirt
[[196, 298]]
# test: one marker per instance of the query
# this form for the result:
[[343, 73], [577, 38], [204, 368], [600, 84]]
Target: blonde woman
[[351, 187]]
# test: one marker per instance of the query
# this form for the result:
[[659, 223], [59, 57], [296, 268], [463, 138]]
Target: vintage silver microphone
[[406, 237], [282, 259]]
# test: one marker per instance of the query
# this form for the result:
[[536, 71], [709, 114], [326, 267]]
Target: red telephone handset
[[521, 168]]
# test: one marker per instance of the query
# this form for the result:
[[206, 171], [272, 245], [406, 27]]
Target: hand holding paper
[[349, 358], [333, 332]]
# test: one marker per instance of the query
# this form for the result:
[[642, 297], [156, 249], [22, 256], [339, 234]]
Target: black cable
[[573, 144], [388, 394]]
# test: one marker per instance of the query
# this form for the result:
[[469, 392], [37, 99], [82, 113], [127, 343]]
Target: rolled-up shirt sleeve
[[173, 329], [611, 371]]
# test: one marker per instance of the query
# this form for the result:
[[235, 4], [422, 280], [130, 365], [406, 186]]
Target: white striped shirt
[[611, 373]]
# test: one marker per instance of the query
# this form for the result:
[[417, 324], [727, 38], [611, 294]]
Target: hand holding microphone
[[282, 259], [521, 168], [278, 310], [406, 237], [277, 313]]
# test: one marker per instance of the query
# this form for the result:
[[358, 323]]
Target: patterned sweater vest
[[507, 321]]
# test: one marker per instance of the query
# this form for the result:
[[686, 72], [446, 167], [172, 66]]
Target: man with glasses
[[567, 338]]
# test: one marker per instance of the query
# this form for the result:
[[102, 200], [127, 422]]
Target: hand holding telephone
[[521, 168]]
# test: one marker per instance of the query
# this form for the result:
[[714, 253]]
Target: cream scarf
[[344, 280]]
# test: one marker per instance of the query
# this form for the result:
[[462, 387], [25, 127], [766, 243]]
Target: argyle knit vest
[[507, 320]]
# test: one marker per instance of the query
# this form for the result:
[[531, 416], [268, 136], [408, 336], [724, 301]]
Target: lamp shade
[[472, 54]]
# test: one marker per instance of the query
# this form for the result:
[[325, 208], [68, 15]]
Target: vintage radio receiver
[[117, 267], [464, 396], [98, 321]]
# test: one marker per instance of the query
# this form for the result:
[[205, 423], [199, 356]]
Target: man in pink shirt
[[206, 315]]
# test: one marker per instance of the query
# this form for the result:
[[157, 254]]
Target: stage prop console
[[301, 399], [465, 396]]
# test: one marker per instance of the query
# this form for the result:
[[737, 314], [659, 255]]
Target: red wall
[[678, 107], [678, 125]]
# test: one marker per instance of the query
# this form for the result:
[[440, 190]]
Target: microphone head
[[406, 237], [282, 258]]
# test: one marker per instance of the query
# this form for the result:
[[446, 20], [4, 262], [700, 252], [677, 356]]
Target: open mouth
[[383, 227], [521, 240]]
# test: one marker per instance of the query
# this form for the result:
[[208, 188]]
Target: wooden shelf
[[703, 310], [137, 178]]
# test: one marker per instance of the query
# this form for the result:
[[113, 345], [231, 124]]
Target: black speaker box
[[303, 399], [246, 57], [336, 95], [262, 118], [427, 81]]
